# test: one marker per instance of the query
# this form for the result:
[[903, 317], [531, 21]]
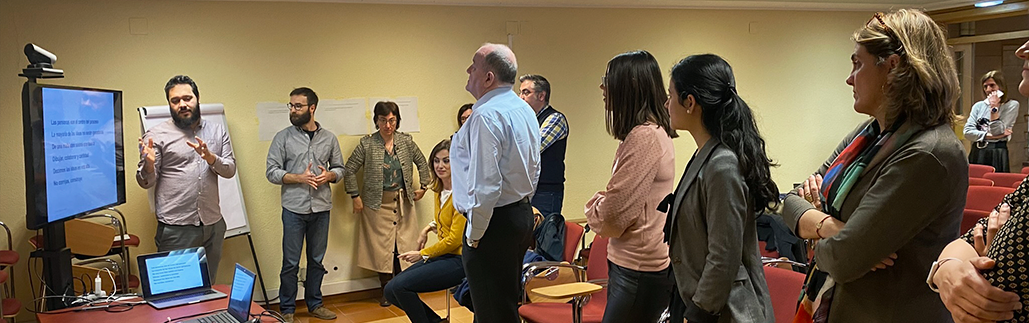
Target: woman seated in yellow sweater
[[436, 267]]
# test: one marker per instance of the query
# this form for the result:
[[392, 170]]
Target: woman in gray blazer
[[894, 188], [711, 230]]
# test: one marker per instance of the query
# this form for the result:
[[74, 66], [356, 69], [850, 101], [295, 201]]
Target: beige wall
[[790, 67]]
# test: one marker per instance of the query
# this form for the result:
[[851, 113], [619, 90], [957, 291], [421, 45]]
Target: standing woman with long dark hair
[[712, 234], [643, 174]]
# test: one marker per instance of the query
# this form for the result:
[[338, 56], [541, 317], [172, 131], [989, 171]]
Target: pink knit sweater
[[626, 212]]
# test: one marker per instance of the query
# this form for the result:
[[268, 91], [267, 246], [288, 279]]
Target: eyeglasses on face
[[292, 106]]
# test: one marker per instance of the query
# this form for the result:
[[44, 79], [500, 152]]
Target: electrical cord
[[177, 319], [110, 304], [113, 282], [36, 300], [43, 289], [272, 314], [267, 302], [83, 281]]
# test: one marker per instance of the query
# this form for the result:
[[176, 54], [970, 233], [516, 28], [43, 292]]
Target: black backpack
[[550, 237]]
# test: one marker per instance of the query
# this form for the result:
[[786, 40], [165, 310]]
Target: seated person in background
[[981, 276], [463, 113], [438, 266]]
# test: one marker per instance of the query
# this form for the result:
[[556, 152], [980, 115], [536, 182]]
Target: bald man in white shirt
[[494, 162]]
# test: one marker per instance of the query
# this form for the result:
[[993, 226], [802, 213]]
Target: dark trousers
[[636, 296], [495, 266], [436, 274], [174, 237], [548, 202], [295, 228]]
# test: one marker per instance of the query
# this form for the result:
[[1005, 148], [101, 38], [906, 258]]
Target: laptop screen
[[179, 270], [242, 293]]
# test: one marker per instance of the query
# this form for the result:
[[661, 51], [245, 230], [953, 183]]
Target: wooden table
[[144, 313], [567, 290]]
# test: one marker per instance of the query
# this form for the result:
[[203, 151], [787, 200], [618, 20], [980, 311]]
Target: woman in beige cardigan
[[388, 221]]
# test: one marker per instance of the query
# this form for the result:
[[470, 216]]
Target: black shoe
[[384, 302]]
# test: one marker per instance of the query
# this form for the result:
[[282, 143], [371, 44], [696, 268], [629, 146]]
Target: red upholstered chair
[[584, 308], [9, 304], [976, 181], [1025, 170], [985, 198], [976, 170], [1005, 179], [784, 288], [969, 219], [765, 253], [573, 234]]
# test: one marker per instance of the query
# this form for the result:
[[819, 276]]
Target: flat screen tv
[[74, 154]]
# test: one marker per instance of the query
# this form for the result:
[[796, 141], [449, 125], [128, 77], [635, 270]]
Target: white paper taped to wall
[[271, 117], [409, 110], [343, 117]]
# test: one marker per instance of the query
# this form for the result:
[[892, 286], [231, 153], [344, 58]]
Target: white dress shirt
[[494, 158]]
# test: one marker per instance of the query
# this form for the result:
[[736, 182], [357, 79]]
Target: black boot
[[383, 280]]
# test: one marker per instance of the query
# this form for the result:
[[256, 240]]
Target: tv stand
[[57, 276]]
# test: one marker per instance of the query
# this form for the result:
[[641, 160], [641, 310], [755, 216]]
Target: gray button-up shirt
[[290, 152], [185, 186]]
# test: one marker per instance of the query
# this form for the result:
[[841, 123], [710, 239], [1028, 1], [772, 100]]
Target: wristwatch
[[932, 273]]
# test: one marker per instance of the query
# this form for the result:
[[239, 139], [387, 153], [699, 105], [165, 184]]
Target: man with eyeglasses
[[181, 159], [303, 159], [550, 191]]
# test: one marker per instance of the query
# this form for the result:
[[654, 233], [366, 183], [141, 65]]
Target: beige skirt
[[393, 224]]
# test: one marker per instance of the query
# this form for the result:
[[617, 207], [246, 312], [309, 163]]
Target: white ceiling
[[822, 5]]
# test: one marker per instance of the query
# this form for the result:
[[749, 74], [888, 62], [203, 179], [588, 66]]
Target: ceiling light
[[985, 4]]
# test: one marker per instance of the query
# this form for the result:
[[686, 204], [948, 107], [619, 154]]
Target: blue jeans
[[438, 273], [548, 202], [295, 227]]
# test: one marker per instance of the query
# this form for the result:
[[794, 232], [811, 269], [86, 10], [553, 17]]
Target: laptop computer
[[177, 277], [239, 300]]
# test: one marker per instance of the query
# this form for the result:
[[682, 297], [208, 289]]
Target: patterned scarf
[[870, 147]]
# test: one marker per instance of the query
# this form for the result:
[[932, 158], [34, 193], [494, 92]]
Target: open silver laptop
[[174, 278], [240, 299]]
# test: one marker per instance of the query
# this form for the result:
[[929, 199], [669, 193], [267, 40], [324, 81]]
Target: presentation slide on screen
[[79, 150], [242, 287], [174, 272]]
